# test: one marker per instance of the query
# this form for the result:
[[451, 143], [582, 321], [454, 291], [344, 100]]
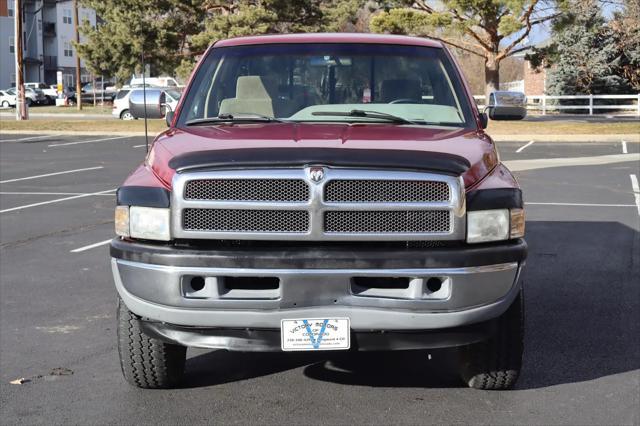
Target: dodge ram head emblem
[[316, 174]]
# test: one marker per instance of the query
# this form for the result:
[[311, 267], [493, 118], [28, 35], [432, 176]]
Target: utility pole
[[76, 24], [21, 109]]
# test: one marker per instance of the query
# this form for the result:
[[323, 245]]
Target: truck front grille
[[386, 191], [290, 190], [423, 221], [222, 220], [317, 204]]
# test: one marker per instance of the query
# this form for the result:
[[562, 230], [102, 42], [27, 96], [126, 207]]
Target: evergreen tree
[[626, 34], [584, 55], [127, 28]]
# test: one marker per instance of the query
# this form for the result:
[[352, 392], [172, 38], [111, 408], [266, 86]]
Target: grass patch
[[561, 128], [107, 126], [50, 109]]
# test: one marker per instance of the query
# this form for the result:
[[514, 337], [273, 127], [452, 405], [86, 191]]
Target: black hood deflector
[[338, 157]]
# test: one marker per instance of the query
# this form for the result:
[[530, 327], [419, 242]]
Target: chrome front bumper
[[473, 294]]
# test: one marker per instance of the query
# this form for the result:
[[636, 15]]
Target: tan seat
[[254, 94]]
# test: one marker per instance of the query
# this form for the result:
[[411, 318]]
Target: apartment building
[[47, 41]]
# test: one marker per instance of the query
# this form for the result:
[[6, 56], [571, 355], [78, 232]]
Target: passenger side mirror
[[169, 118], [507, 105], [155, 103]]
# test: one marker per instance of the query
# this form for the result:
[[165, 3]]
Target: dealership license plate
[[315, 334]]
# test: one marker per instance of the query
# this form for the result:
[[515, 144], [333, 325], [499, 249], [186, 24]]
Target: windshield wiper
[[365, 114], [235, 118]]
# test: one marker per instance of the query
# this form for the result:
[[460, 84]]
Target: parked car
[[50, 91], [7, 100], [121, 102], [155, 82], [104, 91], [322, 192], [32, 96]]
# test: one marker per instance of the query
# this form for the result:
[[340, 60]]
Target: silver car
[[121, 102]]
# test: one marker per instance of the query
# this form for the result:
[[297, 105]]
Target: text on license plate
[[315, 334]]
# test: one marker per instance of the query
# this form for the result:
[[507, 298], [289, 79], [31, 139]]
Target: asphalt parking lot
[[57, 308]]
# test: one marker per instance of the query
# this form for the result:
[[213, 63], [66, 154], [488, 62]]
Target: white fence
[[546, 103]]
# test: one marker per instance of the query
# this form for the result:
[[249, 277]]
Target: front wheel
[[5, 104], [495, 364], [126, 115], [147, 362]]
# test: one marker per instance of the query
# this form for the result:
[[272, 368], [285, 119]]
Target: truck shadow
[[582, 322]]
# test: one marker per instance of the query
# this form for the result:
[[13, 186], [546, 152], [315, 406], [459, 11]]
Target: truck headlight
[[487, 225], [148, 223], [494, 225]]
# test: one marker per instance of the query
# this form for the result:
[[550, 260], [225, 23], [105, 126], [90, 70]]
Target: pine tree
[[585, 56]]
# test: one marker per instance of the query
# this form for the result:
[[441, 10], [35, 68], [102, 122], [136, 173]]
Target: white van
[[154, 82]]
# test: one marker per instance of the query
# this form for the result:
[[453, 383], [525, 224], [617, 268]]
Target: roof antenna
[[144, 98]]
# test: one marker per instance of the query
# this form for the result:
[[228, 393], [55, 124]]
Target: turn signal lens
[[122, 221], [517, 223]]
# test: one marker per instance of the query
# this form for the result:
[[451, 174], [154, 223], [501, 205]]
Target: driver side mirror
[[505, 105], [155, 103]]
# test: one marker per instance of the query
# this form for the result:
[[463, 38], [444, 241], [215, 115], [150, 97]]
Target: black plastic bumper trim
[[497, 198], [143, 196], [268, 340], [339, 157], [322, 257]]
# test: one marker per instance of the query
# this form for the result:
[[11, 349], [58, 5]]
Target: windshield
[[329, 83]]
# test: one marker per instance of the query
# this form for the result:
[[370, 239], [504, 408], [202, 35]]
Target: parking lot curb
[[634, 138]]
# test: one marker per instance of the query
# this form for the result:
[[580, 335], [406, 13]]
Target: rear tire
[[495, 364], [147, 362], [126, 115]]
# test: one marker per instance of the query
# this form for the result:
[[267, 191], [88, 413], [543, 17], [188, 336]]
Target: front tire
[[147, 362], [5, 104], [126, 115], [495, 364]]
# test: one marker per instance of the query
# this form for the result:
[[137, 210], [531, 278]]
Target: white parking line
[[90, 246], [52, 174], [580, 204], [524, 146], [139, 146], [89, 141], [636, 190], [55, 201], [624, 147], [31, 138], [50, 193]]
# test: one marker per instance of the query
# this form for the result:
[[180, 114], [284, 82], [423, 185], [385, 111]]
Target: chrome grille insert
[[245, 220], [290, 190], [412, 221], [317, 203], [386, 191]]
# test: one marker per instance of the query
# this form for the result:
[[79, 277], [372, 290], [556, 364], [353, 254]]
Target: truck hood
[[476, 147]]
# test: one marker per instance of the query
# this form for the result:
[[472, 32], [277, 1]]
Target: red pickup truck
[[322, 192]]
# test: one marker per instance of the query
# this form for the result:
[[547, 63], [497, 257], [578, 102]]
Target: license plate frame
[[327, 334]]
